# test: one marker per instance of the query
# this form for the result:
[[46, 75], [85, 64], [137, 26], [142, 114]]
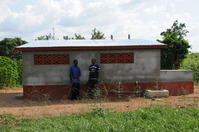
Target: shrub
[[98, 111], [19, 70], [192, 63], [9, 75]]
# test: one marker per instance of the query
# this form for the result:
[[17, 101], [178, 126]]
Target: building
[[128, 63]]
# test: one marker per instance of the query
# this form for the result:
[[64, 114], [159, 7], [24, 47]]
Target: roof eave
[[90, 48]]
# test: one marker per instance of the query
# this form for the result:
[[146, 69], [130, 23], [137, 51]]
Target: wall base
[[63, 91], [175, 88]]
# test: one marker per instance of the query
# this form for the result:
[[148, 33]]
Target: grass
[[153, 119]]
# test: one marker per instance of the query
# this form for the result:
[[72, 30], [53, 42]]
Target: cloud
[[4, 10], [142, 18]]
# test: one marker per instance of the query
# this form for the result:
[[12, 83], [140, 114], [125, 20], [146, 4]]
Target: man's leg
[[72, 91], [90, 90], [77, 91], [93, 88]]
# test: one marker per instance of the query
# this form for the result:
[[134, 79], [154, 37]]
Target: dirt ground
[[25, 108]]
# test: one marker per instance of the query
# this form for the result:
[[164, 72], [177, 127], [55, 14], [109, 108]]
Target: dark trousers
[[75, 90], [92, 87]]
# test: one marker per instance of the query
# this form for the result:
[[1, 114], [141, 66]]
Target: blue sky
[[143, 19]]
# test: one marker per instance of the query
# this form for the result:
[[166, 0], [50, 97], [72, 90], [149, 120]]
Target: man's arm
[[71, 75], [98, 68], [80, 72], [89, 68]]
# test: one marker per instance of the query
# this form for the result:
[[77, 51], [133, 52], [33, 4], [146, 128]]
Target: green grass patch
[[153, 119]]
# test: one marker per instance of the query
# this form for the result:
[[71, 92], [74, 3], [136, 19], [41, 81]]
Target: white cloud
[[143, 19], [4, 10]]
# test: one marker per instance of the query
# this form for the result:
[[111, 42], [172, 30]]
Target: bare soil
[[23, 108]]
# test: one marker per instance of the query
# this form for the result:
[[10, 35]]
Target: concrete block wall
[[145, 67], [54, 79], [176, 75], [178, 82]]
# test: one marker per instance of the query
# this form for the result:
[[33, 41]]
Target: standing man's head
[[93, 61], [75, 62]]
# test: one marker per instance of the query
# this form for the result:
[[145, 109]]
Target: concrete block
[[156, 93]]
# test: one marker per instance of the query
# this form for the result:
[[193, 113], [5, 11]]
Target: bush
[[19, 70], [192, 63], [99, 112], [9, 75]]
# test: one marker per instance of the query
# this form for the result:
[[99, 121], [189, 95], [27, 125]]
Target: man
[[75, 74], [93, 77]]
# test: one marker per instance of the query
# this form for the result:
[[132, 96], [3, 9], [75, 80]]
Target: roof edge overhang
[[90, 48]]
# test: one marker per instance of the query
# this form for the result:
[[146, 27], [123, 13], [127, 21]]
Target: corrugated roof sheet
[[90, 43]]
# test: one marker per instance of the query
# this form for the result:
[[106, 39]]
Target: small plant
[[100, 92], [7, 119], [98, 111], [97, 93], [137, 89]]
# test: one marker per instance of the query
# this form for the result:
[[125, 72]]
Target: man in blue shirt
[[75, 74], [93, 77]]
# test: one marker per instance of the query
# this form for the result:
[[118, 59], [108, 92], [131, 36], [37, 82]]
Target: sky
[[143, 19]]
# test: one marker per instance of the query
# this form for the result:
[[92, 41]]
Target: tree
[[8, 45], [79, 37], [76, 37], [178, 46], [46, 37], [66, 37], [96, 34]]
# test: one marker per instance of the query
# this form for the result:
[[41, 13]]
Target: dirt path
[[27, 108]]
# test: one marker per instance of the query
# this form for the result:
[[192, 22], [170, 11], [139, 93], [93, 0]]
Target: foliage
[[96, 34], [153, 119], [8, 45], [46, 37], [19, 70], [65, 37], [76, 37], [79, 37], [9, 73], [98, 111], [178, 46], [192, 63], [7, 119]]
